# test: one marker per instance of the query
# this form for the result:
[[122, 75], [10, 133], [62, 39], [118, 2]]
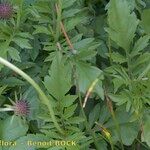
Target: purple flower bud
[[6, 11], [22, 108]]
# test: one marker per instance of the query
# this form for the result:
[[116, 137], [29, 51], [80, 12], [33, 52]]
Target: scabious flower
[[6, 11], [20, 108]]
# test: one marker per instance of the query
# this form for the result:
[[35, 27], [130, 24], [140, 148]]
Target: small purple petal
[[6, 11], [22, 108]]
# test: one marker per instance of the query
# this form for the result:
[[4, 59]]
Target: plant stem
[[64, 30], [19, 15], [43, 97], [83, 113], [118, 130], [129, 69], [142, 143], [74, 68], [6, 109], [58, 10], [110, 106], [110, 50], [107, 138]]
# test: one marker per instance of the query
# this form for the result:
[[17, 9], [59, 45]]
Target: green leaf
[[86, 55], [50, 57], [76, 38], [72, 22], [67, 3], [94, 115], [122, 23], [99, 89], [58, 83], [120, 72], [25, 142], [56, 148], [76, 120], [146, 132], [88, 52], [120, 99], [104, 114], [42, 7], [23, 43], [69, 111], [41, 29], [128, 130], [12, 81], [12, 128], [132, 4], [25, 35], [128, 133], [68, 100], [118, 82], [14, 54], [141, 63], [87, 74], [140, 45], [145, 70], [2, 89], [118, 58], [28, 2], [70, 13], [36, 48], [102, 145], [145, 20], [86, 48], [31, 96], [83, 43], [3, 50]]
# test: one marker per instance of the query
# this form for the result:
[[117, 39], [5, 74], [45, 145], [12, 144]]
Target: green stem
[[43, 97], [58, 9], [108, 139], [118, 129], [129, 64], [114, 119], [129, 69], [110, 50], [83, 113], [111, 144], [142, 143], [6, 109], [19, 14]]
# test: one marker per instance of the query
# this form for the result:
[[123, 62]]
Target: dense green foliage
[[91, 58]]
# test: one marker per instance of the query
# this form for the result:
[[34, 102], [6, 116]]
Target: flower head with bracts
[[20, 107], [6, 10]]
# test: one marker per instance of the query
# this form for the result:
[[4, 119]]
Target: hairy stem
[[42, 96]]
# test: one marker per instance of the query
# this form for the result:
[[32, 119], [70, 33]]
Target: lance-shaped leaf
[[122, 23]]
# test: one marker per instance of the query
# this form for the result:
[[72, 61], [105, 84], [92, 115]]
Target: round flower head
[[6, 11], [21, 108]]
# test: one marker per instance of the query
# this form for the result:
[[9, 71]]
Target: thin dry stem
[[64, 31]]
